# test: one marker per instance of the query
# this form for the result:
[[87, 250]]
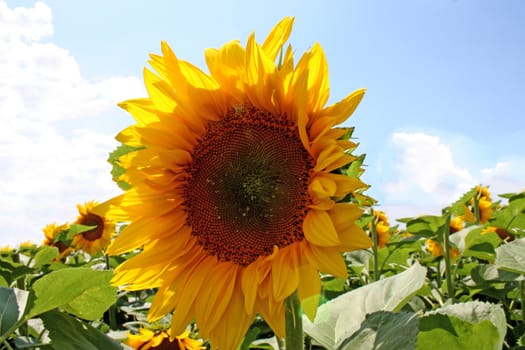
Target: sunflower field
[[243, 224]]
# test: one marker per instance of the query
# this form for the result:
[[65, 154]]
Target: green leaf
[[426, 226], [512, 217], [384, 330], [511, 256], [481, 245], [76, 229], [458, 207], [471, 325], [84, 292], [483, 273], [249, 338], [340, 317], [45, 256], [334, 284], [449, 332], [12, 305], [68, 333]]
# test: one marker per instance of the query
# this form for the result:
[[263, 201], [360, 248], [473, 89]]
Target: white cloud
[[506, 176], [426, 165], [47, 169], [426, 177]]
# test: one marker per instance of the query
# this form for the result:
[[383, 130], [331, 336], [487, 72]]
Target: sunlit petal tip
[[278, 37]]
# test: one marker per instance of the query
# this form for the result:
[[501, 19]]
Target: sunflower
[[434, 248], [456, 224], [382, 228], [502, 233], [6, 250], [96, 239], [51, 232], [162, 340], [236, 186], [484, 204]]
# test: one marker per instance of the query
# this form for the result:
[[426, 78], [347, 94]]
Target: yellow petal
[[344, 108], [309, 289], [278, 37], [273, 314], [323, 185], [249, 285], [189, 292], [353, 237], [285, 276], [319, 229], [112, 209], [318, 85], [142, 110], [160, 93], [259, 75], [326, 260], [331, 158], [233, 327], [129, 136], [132, 236], [213, 301]]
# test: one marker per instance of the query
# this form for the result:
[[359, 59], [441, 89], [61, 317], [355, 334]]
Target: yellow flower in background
[[456, 224], [27, 245], [96, 239], [51, 232], [6, 250], [484, 204], [162, 340], [382, 228], [233, 186], [502, 233], [435, 250]]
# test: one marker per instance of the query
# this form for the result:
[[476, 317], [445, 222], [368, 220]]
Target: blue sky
[[443, 110]]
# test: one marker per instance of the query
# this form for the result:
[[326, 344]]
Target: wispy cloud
[[46, 167], [427, 177]]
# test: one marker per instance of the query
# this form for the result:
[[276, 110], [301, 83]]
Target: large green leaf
[[84, 292], [511, 256], [12, 305], [449, 332], [471, 325], [68, 333], [384, 330], [46, 254], [481, 245], [339, 318]]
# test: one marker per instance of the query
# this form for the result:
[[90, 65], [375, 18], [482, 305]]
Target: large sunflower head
[[96, 239], [162, 340], [52, 232], [236, 183]]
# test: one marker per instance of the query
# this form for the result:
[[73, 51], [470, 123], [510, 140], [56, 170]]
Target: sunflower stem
[[375, 247], [6, 344], [446, 256], [522, 295], [112, 311], [294, 323]]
